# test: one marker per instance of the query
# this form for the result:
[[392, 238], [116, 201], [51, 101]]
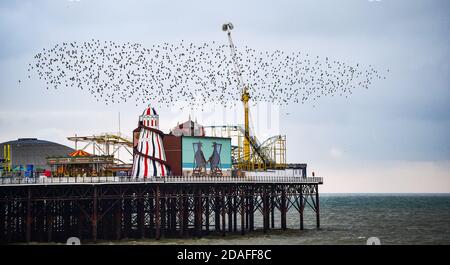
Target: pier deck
[[113, 208]]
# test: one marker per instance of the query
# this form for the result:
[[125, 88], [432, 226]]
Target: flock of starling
[[194, 74]]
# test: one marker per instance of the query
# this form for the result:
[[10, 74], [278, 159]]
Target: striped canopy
[[79, 153], [149, 111]]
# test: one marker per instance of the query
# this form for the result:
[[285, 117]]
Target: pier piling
[[150, 209]]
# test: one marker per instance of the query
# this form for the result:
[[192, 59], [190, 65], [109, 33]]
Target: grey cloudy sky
[[393, 137]]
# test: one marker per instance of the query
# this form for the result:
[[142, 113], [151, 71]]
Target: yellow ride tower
[[7, 157], [253, 155], [245, 98]]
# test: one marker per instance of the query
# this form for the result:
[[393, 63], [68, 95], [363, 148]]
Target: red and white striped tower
[[149, 156]]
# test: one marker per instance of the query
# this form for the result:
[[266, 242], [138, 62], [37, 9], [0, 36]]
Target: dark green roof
[[26, 151]]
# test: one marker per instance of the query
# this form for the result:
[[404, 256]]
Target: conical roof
[[79, 153]]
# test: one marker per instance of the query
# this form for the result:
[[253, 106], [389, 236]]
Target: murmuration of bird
[[195, 74]]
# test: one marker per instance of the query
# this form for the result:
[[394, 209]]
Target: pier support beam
[[118, 219], [317, 206], [247, 211], [67, 213], [163, 215], [173, 215], [2, 222], [235, 210], [185, 214], [9, 221], [94, 215], [151, 213], [49, 224], [207, 202], [80, 223], [301, 207], [141, 216], [157, 213], [230, 212], [272, 207], [283, 209], [198, 213], [265, 211], [243, 212], [217, 210], [139, 210], [29, 217], [180, 213], [40, 219], [223, 210], [127, 217], [251, 211]]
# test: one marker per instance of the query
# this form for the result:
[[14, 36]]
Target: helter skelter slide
[[149, 156]]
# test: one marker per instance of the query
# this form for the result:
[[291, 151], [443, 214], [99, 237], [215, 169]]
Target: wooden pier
[[113, 208]]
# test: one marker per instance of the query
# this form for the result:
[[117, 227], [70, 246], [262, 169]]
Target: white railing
[[171, 179]]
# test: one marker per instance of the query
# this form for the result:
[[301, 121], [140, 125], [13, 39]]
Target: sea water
[[348, 219]]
